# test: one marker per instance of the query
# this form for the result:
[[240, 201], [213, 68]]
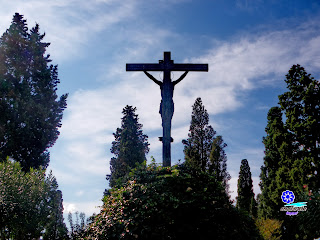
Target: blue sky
[[249, 46]]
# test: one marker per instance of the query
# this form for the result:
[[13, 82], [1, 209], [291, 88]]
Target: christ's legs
[[166, 110]]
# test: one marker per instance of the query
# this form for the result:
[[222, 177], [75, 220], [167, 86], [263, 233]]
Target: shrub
[[170, 203]]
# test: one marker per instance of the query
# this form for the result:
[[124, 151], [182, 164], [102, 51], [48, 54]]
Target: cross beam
[[166, 65], [167, 86]]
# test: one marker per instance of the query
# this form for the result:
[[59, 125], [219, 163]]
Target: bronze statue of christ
[[167, 88], [166, 111]]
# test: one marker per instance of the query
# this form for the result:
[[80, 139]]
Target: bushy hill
[[170, 203]]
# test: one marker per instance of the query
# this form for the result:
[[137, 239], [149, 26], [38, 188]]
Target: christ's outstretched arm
[[180, 78], [152, 78]]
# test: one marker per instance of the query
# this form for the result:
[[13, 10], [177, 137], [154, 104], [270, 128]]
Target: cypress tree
[[198, 146], [130, 146], [301, 106], [30, 112], [276, 138], [55, 227], [218, 162], [292, 146], [203, 150], [245, 199]]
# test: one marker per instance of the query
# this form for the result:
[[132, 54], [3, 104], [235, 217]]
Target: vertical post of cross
[[166, 118]]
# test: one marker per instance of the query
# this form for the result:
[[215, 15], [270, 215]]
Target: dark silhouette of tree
[[218, 162], [292, 146], [72, 227], [55, 228], [30, 112], [203, 150], [301, 106], [198, 146], [245, 199], [77, 228], [130, 146], [291, 159], [276, 138]]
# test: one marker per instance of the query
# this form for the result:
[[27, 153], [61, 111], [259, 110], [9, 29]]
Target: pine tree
[[292, 146], [203, 151], [245, 199], [30, 114], [130, 146], [301, 106], [55, 227], [77, 229], [218, 162], [275, 139], [198, 146]]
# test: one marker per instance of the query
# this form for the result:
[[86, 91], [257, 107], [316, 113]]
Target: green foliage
[[30, 114], [22, 201], [308, 222], [203, 150], [292, 154], [129, 147], [292, 146], [77, 228], [28, 203], [55, 227], [218, 162], [270, 200], [170, 203], [245, 199], [198, 146], [270, 229], [301, 106]]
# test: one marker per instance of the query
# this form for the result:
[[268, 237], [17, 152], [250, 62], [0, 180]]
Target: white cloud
[[88, 208], [241, 65], [69, 24], [235, 68], [256, 187], [69, 207], [80, 193]]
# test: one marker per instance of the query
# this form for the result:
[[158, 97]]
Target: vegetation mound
[[170, 203]]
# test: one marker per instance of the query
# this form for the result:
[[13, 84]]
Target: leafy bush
[[309, 221], [306, 224], [170, 203], [29, 203], [270, 229]]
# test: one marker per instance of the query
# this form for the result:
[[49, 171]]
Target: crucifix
[[167, 87]]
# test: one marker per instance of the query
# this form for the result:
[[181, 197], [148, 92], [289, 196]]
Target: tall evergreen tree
[[292, 146], [30, 112], [77, 228], [197, 147], [218, 162], [130, 146], [301, 106], [245, 199], [203, 150], [276, 152], [55, 227]]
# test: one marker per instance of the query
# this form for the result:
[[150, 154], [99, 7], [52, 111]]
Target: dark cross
[[167, 86]]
